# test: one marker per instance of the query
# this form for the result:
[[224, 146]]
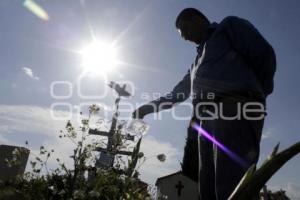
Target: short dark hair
[[188, 14]]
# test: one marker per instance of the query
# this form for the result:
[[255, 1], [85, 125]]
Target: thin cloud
[[153, 168], [292, 190], [30, 73], [267, 134]]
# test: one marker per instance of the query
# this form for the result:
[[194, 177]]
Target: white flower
[[94, 193], [51, 187], [78, 194]]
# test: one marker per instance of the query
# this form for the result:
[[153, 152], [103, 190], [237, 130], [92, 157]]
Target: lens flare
[[36, 9], [231, 154]]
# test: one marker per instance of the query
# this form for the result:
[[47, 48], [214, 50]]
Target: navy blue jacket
[[233, 58]]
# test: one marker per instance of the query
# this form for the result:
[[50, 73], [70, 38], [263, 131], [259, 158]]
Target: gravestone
[[176, 186], [8, 153]]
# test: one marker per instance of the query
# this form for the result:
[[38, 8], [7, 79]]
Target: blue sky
[[34, 53]]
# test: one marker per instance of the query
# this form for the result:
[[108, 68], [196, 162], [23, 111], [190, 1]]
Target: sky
[[36, 53]]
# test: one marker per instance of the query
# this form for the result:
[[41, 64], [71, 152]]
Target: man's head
[[192, 24]]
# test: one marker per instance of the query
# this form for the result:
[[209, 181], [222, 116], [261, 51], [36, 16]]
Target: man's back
[[235, 58]]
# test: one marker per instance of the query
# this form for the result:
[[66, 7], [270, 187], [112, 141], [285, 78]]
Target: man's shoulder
[[233, 20]]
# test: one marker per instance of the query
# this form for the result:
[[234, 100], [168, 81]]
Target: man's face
[[191, 30]]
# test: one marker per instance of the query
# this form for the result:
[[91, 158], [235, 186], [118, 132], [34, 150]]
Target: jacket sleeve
[[179, 94], [246, 40]]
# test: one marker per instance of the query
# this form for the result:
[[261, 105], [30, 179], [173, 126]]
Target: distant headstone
[[16, 157]]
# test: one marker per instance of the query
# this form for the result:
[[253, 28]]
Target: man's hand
[[146, 109], [138, 114]]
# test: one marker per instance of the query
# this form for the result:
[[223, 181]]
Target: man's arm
[[246, 40], [179, 94]]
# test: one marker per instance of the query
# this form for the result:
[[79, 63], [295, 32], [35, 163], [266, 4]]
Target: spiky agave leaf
[[252, 183], [274, 152], [243, 184]]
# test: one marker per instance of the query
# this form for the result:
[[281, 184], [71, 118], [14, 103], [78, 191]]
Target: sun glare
[[99, 57]]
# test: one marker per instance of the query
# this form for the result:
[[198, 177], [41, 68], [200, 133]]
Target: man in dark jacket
[[233, 70]]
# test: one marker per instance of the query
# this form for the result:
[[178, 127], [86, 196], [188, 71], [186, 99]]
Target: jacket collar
[[212, 27]]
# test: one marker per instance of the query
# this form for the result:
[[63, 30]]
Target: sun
[[99, 57]]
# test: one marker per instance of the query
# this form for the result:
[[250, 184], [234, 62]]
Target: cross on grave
[[179, 187], [107, 155]]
